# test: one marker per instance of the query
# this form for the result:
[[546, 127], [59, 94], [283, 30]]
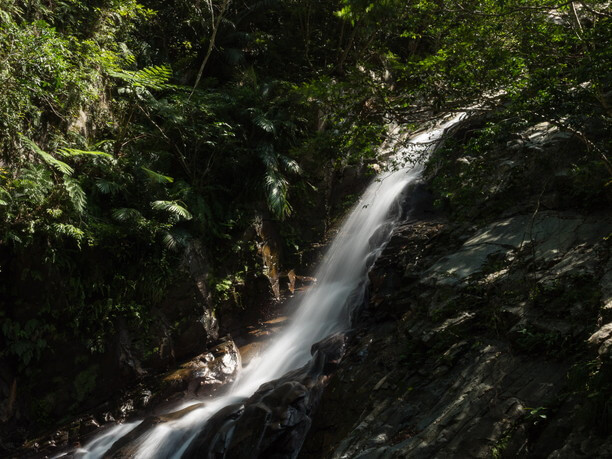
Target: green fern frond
[[126, 54], [74, 152], [76, 193], [173, 207], [125, 214], [154, 77], [33, 184], [157, 73], [47, 158], [157, 177], [63, 229]]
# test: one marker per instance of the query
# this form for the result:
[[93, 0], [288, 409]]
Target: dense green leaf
[[125, 214], [47, 158], [76, 193], [76, 152], [154, 77], [173, 207], [107, 186], [176, 239], [157, 177]]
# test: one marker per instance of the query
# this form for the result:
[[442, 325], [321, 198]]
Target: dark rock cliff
[[483, 337]]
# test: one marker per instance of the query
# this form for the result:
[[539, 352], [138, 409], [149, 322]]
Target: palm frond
[[64, 229], [276, 196], [76, 193], [176, 238], [276, 184], [173, 207], [154, 77], [290, 165], [47, 158], [126, 214], [265, 124], [107, 186]]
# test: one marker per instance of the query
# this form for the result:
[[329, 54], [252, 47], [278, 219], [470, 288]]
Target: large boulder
[[274, 421]]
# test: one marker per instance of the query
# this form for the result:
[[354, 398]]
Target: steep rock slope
[[485, 336]]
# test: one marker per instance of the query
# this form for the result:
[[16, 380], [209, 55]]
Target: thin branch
[[579, 30], [595, 12], [211, 43], [46, 99], [339, 67]]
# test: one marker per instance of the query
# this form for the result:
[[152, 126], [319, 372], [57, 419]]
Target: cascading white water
[[325, 309]]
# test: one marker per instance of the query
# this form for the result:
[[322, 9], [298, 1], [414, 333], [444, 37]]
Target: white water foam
[[325, 308]]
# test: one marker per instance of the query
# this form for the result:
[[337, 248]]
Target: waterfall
[[324, 309]]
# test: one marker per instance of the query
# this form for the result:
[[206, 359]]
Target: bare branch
[[211, 43], [591, 10]]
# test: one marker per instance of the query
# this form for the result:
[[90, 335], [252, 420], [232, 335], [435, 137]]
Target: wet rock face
[[216, 367], [274, 421], [202, 375], [490, 341], [602, 341], [418, 204], [554, 237]]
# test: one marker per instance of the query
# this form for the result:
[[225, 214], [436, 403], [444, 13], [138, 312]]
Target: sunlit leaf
[[157, 177], [60, 166], [76, 193], [76, 152], [173, 208]]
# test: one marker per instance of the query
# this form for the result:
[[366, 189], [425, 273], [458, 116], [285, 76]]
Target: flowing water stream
[[325, 309]]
